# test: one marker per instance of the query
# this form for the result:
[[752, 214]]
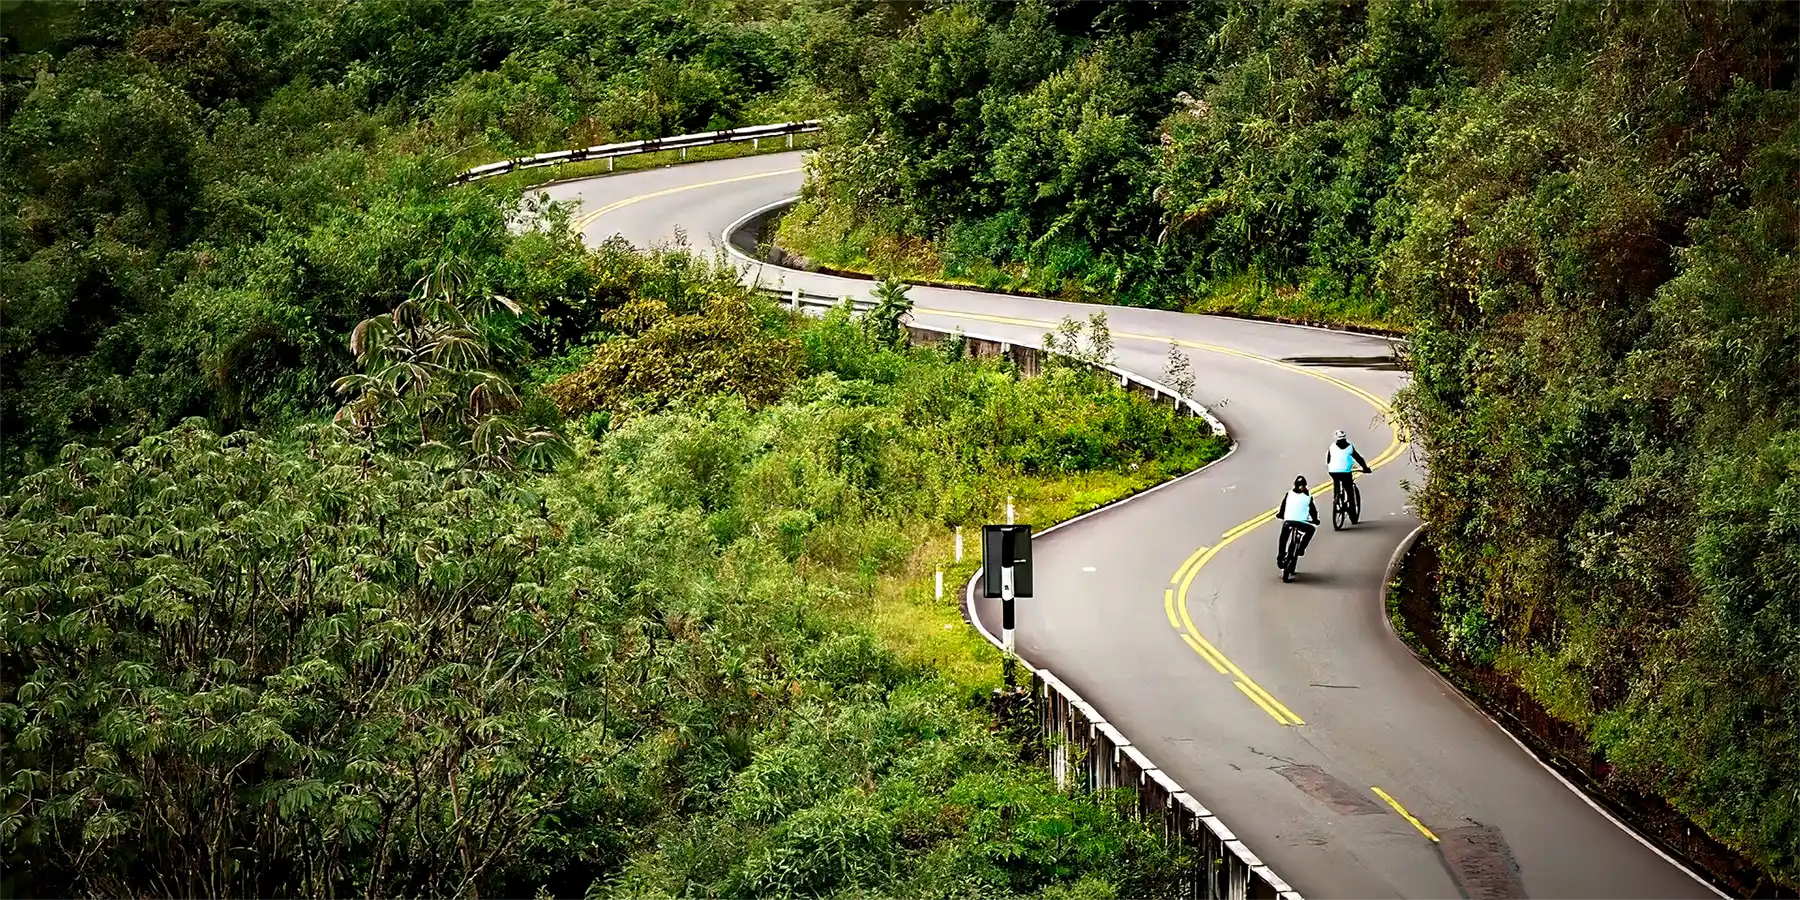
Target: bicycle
[[1345, 505], [1285, 557]]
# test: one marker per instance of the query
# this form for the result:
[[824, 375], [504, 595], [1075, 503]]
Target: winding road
[[1290, 710]]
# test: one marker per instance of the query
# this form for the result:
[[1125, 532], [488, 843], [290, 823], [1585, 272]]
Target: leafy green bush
[[1605, 385], [312, 666], [724, 346], [237, 669]]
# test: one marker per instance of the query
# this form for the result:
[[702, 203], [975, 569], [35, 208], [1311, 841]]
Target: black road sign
[[1003, 545]]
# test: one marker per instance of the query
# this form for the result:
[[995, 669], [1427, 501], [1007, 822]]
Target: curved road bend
[[1290, 710]]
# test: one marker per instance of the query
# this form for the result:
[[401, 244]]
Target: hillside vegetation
[[1243, 156], [1604, 292], [608, 576], [320, 664], [1585, 215], [357, 542], [198, 200]]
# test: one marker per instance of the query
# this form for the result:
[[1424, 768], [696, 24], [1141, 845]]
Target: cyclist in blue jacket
[[1297, 512], [1341, 460]]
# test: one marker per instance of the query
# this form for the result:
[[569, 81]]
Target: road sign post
[[1006, 574]]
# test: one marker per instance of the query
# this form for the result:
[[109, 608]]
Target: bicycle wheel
[[1338, 510], [1287, 571], [1355, 504]]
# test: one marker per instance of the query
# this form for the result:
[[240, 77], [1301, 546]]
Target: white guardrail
[[1084, 749], [755, 134], [1026, 356]]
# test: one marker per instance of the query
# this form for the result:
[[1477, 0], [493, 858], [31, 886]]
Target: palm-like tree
[[892, 306], [427, 375]]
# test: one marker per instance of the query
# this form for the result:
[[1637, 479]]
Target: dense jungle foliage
[[198, 200], [1211, 155], [306, 664], [1585, 214], [1602, 276], [356, 542]]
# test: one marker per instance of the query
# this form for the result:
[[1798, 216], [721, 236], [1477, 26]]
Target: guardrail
[[1029, 359], [1083, 750], [753, 133]]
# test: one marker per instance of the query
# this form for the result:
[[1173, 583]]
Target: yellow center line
[[1184, 576], [1197, 640], [1207, 653], [1402, 811], [1257, 698], [1184, 566], [1191, 567], [582, 221]]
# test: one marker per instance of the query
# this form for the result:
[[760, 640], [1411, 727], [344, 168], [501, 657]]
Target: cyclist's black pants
[[1341, 483], [1306, 535]]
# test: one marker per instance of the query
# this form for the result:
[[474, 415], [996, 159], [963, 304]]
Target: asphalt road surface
[[1290, 710]]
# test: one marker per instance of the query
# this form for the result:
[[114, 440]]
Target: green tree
[[234, 670], [887, 319], [428, 379]]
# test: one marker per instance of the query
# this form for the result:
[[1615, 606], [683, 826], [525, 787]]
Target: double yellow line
[[1174, 597], [581, 222], [1175, 604]]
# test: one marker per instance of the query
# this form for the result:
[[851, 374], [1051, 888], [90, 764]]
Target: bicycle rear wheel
[[1355, 504], [1338, 510]]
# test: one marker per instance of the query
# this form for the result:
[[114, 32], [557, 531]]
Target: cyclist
[[1341, 459], [1297, 512]]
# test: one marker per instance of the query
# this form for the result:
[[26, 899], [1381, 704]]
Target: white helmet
[[1339, 435]]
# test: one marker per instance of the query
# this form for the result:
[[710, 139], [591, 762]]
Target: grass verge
[[1246, 297], [924, 631], [814, 239]]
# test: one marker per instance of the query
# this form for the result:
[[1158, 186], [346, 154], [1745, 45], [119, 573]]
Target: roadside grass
[[1312, 304], [903, 611], [827, 238], [823, 238]]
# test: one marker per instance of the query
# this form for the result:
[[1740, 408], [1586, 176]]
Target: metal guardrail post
[[610, 152]]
